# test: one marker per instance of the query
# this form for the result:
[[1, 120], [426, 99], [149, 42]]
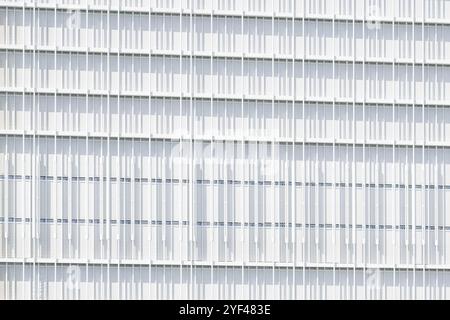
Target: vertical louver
[[225, 149]]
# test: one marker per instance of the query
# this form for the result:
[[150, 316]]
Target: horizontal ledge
[[216, 264], [230, 224], [216, 55], [223, 139], [225, 13], [186, 96], [266, 182]]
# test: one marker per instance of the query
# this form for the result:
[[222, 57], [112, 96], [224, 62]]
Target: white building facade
[[225, 149]]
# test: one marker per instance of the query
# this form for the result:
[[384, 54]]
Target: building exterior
[[225, 149]]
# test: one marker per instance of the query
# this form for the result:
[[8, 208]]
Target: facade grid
[[224, 149]]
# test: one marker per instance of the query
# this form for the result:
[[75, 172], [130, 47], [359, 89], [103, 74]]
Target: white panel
[[235, 151]]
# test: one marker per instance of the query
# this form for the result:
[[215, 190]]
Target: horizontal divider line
[[219, 264], [227, 224], [216, 97], [228, 13], [230, 182], [224, 139], [228, 56]]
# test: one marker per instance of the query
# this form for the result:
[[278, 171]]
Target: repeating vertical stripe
[[226, 149]]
